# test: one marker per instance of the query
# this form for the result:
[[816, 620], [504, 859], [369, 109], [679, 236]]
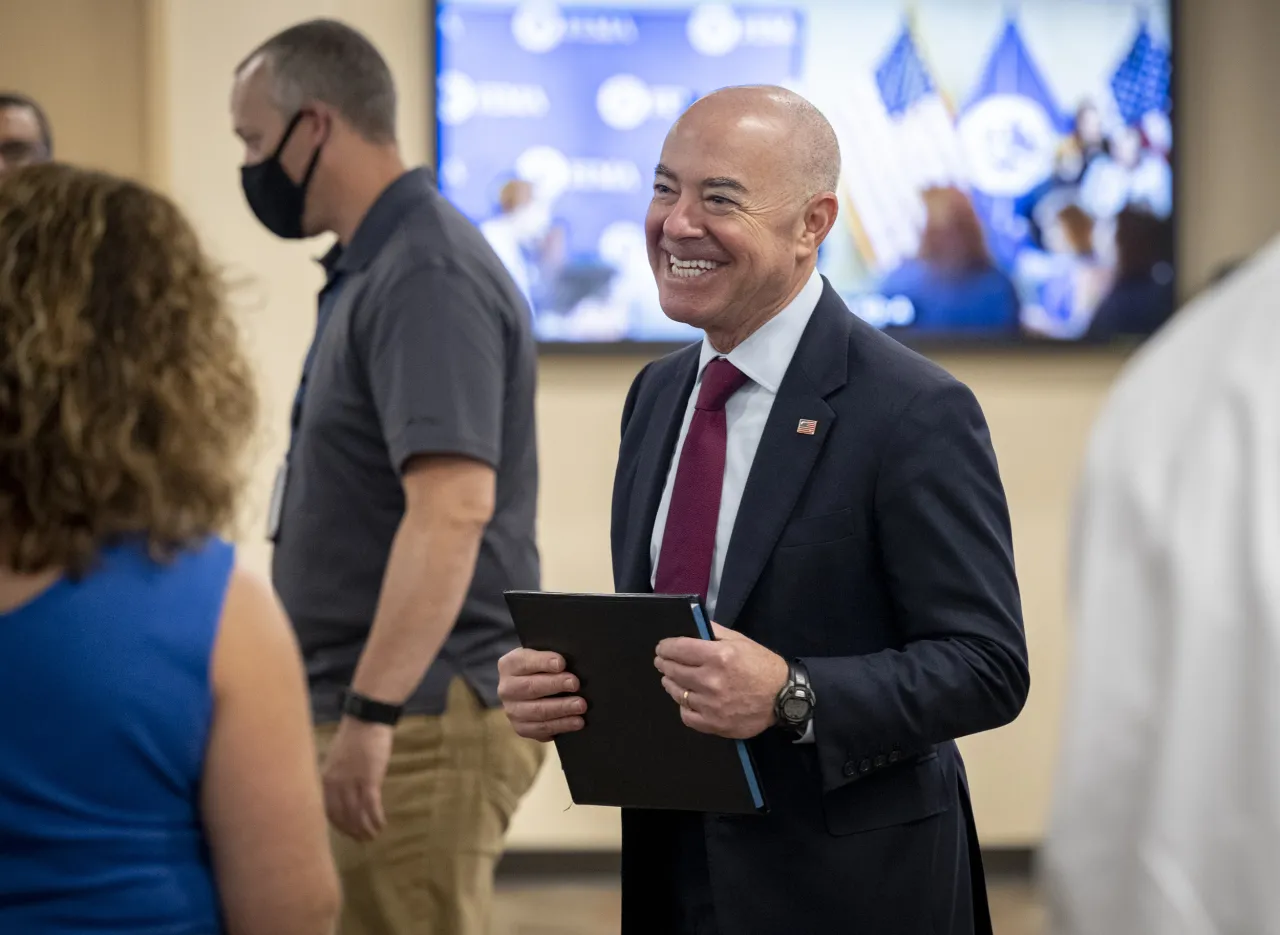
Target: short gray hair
[[817, 139], [813, 138], [326, 60]]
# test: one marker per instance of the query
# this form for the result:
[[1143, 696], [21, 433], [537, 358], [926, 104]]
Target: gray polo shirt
[[423, 346]]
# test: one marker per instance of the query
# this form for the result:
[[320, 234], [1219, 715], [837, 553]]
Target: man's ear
[[818, 219], [324, 118]]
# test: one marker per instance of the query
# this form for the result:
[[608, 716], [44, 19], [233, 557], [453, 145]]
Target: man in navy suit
[[835, 499]]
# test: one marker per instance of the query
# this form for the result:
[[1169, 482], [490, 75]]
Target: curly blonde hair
[[126, 401]]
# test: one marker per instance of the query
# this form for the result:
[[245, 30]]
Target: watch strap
[[800, 675], [363, 708]]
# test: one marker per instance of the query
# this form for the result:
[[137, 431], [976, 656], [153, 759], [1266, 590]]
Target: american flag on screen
[[897, 136], [1141, 82], [928, 145]]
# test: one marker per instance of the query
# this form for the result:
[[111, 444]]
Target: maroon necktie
[[689, 540]]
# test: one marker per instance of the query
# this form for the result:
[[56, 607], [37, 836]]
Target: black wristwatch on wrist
[[366, 709], [795, 703]]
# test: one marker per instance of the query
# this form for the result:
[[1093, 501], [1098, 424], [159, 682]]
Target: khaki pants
[[452, 786]]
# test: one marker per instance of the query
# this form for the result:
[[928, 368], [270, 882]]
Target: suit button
[[882, 761], [850, 768], [864, 766], [895, 756]]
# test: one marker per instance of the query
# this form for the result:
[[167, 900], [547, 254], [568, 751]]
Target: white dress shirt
[[764, 357], [1166, 809]]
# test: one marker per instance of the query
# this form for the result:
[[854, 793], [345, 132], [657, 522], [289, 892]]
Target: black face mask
[[277, 200]]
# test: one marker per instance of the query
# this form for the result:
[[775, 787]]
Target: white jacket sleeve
[[1166, 813], [1119, 594]]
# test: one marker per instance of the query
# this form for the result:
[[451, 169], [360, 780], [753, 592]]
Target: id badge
[[277, 501]]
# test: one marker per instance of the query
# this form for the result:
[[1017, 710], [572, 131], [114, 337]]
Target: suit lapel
[[786, 456], [662, 429]]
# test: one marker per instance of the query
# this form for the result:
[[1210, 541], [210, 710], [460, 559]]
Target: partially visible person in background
[[516, 233], [1078, 151], [1142, 296], [1131, 173], [157, 771], [1081, 147], [953, 284], [406, 504], [1167, 799], [1071, 292], [25, 135]]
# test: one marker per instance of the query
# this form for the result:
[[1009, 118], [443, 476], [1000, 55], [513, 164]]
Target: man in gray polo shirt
[[406, 503]]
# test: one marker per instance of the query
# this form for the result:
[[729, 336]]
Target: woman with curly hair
[[156, 764]]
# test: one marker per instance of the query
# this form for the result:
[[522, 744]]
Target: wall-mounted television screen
[[1007, 164]]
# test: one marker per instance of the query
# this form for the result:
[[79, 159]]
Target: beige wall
[[1229, 133], [85, 62], [163, 115]]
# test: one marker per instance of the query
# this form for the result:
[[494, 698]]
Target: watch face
[[795, 709]]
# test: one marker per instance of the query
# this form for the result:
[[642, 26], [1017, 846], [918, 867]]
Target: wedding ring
[[684, 701]]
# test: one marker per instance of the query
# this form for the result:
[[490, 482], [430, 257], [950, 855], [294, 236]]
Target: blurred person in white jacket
[[1166, 815], [521, 224]]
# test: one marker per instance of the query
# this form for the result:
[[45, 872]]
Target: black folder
[[634, 751]]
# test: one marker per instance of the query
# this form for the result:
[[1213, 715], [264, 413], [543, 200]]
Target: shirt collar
[[379, 223], [766, 354]]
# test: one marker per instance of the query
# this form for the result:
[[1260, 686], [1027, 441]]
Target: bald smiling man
[[835, 499]]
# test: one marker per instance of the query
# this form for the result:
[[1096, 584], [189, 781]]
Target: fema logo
[[538, 26], [459, 98], [552, 173], [546, 168], [714, 29], [1010, 143], [624, 102]]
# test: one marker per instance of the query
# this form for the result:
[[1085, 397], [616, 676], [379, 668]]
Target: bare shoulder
[[251, 598], [254, 629], [249, 592]]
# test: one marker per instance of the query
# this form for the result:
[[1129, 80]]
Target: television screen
[[1006, 165]]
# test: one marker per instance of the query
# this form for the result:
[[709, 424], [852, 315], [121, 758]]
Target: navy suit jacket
[[878, 551]]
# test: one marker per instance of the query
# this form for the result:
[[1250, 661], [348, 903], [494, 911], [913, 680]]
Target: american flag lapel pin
[[807, 427]]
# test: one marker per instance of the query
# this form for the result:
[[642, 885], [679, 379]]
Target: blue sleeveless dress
[[105, 709]]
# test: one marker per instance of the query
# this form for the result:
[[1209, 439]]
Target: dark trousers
[[667, 881], [697, 911]]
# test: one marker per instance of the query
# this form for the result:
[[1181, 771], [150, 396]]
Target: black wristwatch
[[366, 709], [795, 703]]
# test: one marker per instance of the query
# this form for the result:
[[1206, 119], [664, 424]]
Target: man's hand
[[526, 681], [353, 773], [726, 686]]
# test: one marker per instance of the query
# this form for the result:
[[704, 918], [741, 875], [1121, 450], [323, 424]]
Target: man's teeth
[[691, 268]]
